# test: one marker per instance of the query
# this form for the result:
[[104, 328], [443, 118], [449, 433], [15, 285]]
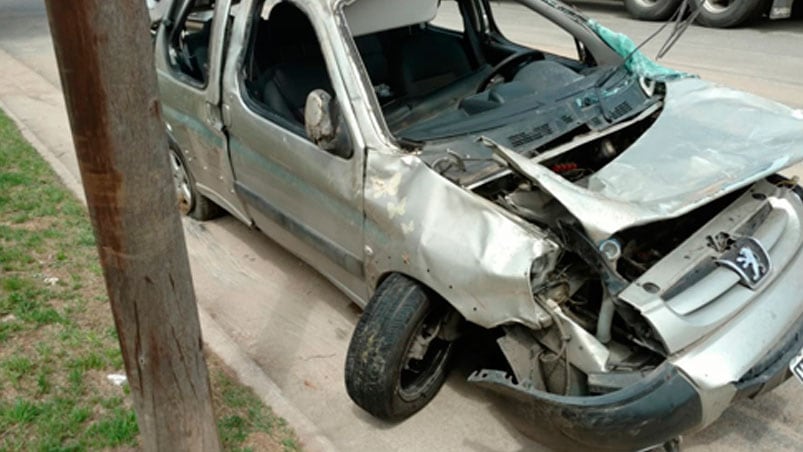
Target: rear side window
[[190, 40]]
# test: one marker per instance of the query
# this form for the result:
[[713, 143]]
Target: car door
[[308, 199], [189, 50]]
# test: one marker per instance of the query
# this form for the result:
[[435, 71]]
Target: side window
[[283, 64], [190, 38]]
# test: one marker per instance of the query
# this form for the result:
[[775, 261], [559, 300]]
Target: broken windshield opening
[[457, 74]]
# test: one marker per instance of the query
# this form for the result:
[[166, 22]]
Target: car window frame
[[477, 19], [182, 11], [245, 64]]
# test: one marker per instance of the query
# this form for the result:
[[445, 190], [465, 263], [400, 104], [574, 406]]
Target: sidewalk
[[37, 107]]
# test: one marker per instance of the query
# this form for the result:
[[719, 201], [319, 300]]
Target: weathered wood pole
[[106, 65]]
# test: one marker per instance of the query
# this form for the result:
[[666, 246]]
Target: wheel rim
[[424, 358], [181, 181], [716, 6]]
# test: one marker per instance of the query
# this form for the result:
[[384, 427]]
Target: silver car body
[[384, 210]]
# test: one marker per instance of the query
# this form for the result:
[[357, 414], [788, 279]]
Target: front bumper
[[661, 407], [774, 368]]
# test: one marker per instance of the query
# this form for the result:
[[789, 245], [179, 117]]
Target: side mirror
[[324, 124]]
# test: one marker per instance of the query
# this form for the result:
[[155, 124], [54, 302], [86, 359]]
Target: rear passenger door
[[189, 50], [306, 198]]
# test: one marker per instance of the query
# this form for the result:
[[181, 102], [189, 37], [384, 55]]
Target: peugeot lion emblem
[[748, 258]]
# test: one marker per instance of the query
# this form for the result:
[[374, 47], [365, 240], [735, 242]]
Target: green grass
[[244, 414], [57, 339]]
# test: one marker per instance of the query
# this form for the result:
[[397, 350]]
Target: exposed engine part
[[522, 351], [560, 376], [533, 205], [581, 347], [564, 167], [605, 319], [559, 358], [542, 368], [607, 149], [644, 246], [576, 241], [611, 249]]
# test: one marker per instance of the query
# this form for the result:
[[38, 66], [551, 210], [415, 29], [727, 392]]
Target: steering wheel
[[513, 60]]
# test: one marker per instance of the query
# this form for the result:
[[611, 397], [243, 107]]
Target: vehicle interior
[[417, 69], [435, 66], [284, 64], [190, 38]]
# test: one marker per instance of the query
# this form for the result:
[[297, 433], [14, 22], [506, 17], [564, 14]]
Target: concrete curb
[[247, 371], [64, 174], [251, 375]]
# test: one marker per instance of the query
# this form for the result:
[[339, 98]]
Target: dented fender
[[471, 252]]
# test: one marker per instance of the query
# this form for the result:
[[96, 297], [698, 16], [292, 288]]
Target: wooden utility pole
[[106, 65]]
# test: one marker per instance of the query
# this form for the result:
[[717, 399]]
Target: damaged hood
[[708, 141]]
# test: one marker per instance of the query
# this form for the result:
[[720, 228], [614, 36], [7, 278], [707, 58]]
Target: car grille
[[694, 293]]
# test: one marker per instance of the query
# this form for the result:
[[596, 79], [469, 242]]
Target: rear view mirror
[[324, 124]]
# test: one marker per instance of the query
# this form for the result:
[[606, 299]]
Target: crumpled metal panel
[[708, 141], [471, 252]]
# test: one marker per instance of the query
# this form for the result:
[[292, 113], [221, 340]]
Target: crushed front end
[[689, 335]]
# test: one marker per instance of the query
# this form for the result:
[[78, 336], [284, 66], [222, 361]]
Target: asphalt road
[[297, 326]]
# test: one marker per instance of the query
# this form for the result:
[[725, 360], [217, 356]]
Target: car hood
[[708, 141]]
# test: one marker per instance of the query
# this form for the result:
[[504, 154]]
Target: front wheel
[[397, 361]]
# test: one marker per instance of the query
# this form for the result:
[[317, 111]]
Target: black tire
[[652, 9], [381, 377], [728, 13], [190, 201]]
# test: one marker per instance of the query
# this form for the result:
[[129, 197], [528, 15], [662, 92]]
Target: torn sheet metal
[[471, 252], [708, 141]]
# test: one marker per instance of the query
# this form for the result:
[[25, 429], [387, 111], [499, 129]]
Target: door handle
[[213, 116]]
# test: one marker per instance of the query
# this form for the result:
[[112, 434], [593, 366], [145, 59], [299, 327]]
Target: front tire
[[396, 361]]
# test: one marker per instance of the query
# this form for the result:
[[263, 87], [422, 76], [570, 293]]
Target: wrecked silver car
[[616, 227]]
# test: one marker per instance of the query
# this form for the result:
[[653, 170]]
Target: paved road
[[296, 326]]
